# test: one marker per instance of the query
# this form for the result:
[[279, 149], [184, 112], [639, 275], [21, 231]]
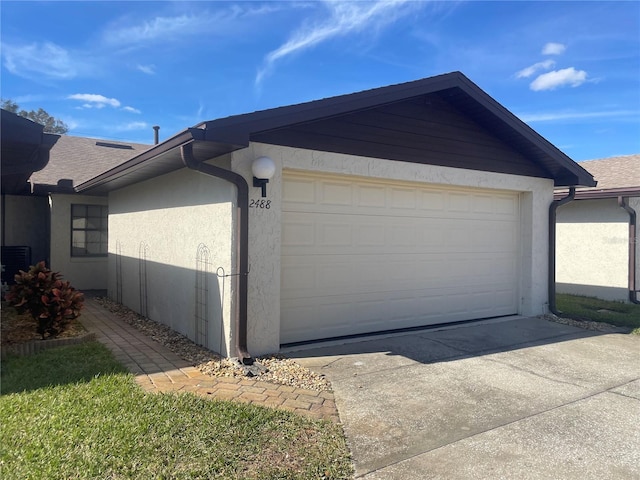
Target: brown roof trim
[[232, 133], [594, 194], [24, 149], [135, 163]]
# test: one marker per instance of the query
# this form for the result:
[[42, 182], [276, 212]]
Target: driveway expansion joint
[[497, 427]]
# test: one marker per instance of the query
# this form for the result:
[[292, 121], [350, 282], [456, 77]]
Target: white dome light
[[263, 168]]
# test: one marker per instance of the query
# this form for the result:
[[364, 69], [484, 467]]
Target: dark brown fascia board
[[176, 141], [265, 120], [583, 177], [230, 143], [275, 118], [601, 194], [236, 131]]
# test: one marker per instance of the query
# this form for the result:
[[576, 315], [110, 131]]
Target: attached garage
[[404, 206], [361, 255]]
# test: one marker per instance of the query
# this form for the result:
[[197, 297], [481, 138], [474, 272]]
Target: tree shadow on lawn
[[57, 366]]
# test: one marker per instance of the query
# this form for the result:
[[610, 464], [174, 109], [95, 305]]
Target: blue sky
[[112, 70]]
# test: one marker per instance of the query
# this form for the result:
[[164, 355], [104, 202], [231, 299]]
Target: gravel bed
[[586, 324], [271, 368]]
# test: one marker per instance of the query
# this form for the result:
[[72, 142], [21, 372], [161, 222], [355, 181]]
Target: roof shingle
[[80, 158], [614, 172]]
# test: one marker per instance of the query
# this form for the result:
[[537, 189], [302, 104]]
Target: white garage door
[[363, 256]]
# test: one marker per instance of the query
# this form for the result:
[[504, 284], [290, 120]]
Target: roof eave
[[602, 193], [232, 133], [576, 175], [154, 152]]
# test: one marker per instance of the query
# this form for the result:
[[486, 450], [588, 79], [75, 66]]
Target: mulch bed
[[18, 328]]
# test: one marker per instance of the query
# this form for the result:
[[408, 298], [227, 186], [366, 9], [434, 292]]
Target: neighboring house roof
[[25, 149], [74, 160], [616, 176], [418, 122]]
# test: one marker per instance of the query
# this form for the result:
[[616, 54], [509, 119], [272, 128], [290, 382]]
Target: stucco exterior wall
[[635, 204], [26, 222], [265, 231], [84, 273], [158, 230], [592, 249]]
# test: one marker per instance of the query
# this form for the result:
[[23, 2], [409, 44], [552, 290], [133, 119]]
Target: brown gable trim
[[594, 194], [225, 135]]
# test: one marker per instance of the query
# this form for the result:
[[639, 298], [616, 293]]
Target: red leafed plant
[[50, 300]]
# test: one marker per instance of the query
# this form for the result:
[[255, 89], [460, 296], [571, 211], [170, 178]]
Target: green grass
[[72, 412], [589, 308]]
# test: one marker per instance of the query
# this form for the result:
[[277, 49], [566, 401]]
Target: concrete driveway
[[519, 398]]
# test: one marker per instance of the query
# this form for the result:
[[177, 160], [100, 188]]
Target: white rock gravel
[[586, 324], [272, 368]]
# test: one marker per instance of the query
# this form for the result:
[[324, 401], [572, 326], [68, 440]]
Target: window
[[89, 230]]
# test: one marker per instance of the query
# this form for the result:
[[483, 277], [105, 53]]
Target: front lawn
[[593, 309], [73, 412]]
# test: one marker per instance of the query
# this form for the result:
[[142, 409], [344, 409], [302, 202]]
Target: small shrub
[[52, 302]]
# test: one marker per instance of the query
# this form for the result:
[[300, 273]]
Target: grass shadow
[[593, 309], [57, 366]]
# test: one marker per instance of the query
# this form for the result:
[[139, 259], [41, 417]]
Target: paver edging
[[35, 346]]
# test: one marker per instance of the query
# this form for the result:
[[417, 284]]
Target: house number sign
[[261, 203]]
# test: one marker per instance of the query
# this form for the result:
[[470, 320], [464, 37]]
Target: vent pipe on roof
[[552, 248], [156, 136], [632, 249]]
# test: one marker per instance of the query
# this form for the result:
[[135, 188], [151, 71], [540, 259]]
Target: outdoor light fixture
[[263, 169]]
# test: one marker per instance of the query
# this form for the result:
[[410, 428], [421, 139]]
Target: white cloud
[[131, 126], [42, 60], [158, 27], [553, 49], [553, 116], [94, 100], [536, 67], [222, 22], [148, 69], [559, 78], [345, 17], [131, 109]]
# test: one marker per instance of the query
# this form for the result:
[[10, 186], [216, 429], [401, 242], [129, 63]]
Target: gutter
[[242, 246], [632, 249], [552, 248]]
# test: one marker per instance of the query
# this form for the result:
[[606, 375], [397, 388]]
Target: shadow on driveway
[[514, 398]]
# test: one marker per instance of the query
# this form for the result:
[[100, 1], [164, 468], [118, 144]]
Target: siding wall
[[265, 224], [84, 273], [173, 214], [26, 222], [592, 248], [156, 229], [635, 204]]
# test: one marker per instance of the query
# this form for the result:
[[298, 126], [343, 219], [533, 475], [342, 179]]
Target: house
[[43, 218], [598, 252], [400, 207], [25, 149]]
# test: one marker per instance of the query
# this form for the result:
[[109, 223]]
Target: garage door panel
[[335, 193], [299, 191], [403, 198], [369, 196], [302, 276], [366, 255], [349, 234], [431, 201], [370, 273], [347, 315], [335, 234], [299, 232]]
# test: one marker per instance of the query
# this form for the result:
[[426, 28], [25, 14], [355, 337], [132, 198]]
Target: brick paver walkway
[[158, 369]]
